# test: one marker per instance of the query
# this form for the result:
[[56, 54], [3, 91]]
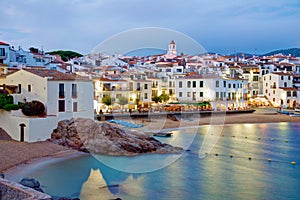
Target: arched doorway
[[22, 132]]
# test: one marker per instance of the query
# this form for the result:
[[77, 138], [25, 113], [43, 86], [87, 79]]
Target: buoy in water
[[286, 140], [293, 163], [269, 160], [258, 138], [216, 154], [249, 158], [246, 137], [233, 136], [231, 155], [272, 139]]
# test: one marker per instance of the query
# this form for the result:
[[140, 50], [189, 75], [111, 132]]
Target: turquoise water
[[228, 175]]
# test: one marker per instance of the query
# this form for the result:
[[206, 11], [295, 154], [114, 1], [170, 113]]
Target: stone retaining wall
[[10, 190]]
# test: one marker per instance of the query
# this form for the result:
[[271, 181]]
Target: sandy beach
[[13, 153]]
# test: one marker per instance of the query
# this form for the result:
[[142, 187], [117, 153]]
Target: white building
[[281, 89], [64, 96], [223, 93]]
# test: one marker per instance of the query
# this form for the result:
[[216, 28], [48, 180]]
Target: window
[[229, 85], [255, 78], [170, 83], [145, 95], [201, 94], [217, 95], [194, 84], [19, 88], [288, 93], [201, 84], [131, 86], [2, 52], [217, 83], [61, 91], [75, 106], [188, 94], [273, 99], [118, 96], [285, 84], [74, 90], [194, 95], [224, 84], [61, 105], [180, 84], [146, 86], [289, 77], [180, 94], [138, 86], [273, 91], [189, 84], [281, 78], [295, 93], [29, 88], [233, 85]]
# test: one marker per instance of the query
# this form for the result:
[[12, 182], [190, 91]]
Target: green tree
[[65, 55], [33, 108], [164, 97], [107, 100], [156, 99], [5, 99], [123, 101]]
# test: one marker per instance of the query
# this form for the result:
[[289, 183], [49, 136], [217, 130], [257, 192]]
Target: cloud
[[81, 25]]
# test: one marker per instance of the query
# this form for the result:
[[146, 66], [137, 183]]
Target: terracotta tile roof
[[283, 73], [56, 75], [288, 88], [202, 76], [3, 43]]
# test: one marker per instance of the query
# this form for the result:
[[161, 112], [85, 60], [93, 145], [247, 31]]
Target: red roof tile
[[3, 43], [56, 75]]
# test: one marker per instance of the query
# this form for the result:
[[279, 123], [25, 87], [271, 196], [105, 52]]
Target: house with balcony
[[113, 86], [64, 96], [282, 89]]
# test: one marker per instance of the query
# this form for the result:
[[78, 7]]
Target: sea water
[[249, 161]]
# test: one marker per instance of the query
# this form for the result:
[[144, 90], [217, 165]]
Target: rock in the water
[[31, 183], [105, 138]]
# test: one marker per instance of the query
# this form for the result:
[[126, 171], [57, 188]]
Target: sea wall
[[12, 190]]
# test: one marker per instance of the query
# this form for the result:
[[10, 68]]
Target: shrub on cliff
[[33, 108], [5, 99], [9, 107]]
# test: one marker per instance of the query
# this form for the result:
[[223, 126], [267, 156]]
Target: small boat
[[294, 114], [297, 110], [161, 134], [285, 112]]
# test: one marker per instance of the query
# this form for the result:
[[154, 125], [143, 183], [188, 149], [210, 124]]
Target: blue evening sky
[[223, 26]]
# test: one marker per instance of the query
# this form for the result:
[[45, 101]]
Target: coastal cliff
[[105, 138]]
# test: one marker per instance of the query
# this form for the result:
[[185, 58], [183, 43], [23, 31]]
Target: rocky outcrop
[[105, 138], [32, 183]]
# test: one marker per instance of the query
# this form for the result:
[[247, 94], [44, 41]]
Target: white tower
[[172, 52]]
